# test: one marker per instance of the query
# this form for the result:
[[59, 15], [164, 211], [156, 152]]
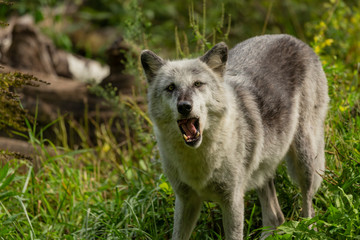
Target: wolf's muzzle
[[184, 107]]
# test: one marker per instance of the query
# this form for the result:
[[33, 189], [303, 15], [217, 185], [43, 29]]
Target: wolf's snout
[[184, 107]]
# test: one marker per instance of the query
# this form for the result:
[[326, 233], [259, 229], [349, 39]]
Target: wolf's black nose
[[184, 107]]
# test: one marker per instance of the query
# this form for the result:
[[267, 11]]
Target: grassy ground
[[107, 188]]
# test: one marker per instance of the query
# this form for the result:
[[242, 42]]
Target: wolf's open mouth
[[190, 128]]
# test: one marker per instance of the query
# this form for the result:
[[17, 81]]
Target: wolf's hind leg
[[272, 215], [306, 161]]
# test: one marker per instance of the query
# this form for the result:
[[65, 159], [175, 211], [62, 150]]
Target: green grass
[[111, 187]]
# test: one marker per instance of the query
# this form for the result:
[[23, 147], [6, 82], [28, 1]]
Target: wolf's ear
[[151, 64], [216, 58]]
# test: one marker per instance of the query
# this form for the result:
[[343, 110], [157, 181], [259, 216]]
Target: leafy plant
[[11, 113]]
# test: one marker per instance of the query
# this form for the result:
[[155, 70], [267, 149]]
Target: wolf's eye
[[170, 88], [198, 84]]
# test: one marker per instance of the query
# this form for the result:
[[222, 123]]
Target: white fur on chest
[[194, 168]]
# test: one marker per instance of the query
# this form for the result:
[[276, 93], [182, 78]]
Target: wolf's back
[[274, 68]]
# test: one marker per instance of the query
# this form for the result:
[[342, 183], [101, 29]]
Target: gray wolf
[[224, 121]]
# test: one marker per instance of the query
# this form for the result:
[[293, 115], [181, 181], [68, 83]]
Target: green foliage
[[11, 113], [204, 41], [336, 36], [155, 21], [6, 177]]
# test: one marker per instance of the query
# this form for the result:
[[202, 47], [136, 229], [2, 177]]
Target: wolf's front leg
[[187, 211], [233, 217]]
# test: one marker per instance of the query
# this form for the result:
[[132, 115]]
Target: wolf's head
[[185, 95]]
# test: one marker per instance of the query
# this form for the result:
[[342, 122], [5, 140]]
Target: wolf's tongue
[[189, 128]]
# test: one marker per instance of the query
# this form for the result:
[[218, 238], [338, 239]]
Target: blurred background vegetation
[[185, 28], [111, 188], [153, 23]]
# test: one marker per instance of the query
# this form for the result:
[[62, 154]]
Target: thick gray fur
[[263, 101]]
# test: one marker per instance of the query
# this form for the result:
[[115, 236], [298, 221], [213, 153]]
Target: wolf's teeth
[[197, 134], [185, 137]]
